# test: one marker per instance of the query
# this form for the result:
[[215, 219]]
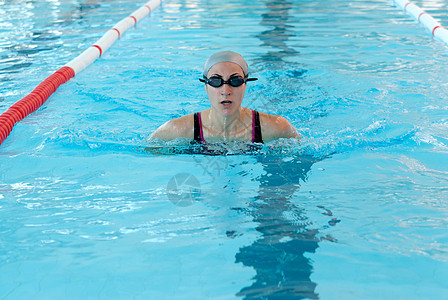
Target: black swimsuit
[[256, 128]]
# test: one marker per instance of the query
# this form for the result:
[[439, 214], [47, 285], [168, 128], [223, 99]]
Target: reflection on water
[[34, 37], [276, 19], [278, 257]]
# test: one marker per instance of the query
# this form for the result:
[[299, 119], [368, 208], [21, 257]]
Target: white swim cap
[[225, 56]]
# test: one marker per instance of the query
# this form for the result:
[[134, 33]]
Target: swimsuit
[[256, 128]]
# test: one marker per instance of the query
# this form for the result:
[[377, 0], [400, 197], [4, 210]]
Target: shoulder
[[182, 127], [276, 127]]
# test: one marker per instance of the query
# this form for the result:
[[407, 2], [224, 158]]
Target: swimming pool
[[357, 211]]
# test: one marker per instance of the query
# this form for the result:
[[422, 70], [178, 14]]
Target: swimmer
[[225, 77]]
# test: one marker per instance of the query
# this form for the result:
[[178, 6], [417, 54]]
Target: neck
[[227, 126]]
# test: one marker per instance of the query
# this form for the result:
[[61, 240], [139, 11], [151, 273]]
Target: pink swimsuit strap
[[200, 127], [253, 126]]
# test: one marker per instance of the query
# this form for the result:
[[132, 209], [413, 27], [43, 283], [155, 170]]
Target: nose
[[226, 89]]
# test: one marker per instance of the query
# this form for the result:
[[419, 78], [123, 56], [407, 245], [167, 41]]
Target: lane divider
[[31, 102], [99, 48], [118, 31], [436, 29]]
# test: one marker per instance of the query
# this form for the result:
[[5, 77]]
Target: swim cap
[[225, 56]]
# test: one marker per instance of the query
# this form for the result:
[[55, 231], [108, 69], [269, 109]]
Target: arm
[[176, 128], [276, 127]]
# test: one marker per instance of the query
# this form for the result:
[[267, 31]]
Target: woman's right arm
[[176, 128]]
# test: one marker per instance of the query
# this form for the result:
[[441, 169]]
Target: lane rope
[[31, 102], [436, 29]]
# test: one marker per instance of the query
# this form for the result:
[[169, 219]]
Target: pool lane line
[[436, 29], [31, 102]]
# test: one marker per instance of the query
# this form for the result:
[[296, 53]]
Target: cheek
[[242, 92], [211, 93], [208, 91]]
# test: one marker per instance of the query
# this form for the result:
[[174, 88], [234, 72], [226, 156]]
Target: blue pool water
[[358, 210]]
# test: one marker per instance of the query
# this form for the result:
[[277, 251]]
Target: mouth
[[226, 102]]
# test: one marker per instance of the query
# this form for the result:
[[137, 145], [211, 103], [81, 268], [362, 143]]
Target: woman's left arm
[[276, 127]]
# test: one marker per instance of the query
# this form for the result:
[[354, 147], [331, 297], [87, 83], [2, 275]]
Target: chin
[[227, 111]]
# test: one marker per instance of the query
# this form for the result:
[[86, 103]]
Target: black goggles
[[233, 81]]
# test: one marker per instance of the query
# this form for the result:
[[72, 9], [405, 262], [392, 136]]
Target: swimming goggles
[[233, 81]]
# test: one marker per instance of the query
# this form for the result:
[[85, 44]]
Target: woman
[[225, 76]]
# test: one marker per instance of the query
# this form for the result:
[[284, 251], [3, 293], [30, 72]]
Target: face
[[225, 99]]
